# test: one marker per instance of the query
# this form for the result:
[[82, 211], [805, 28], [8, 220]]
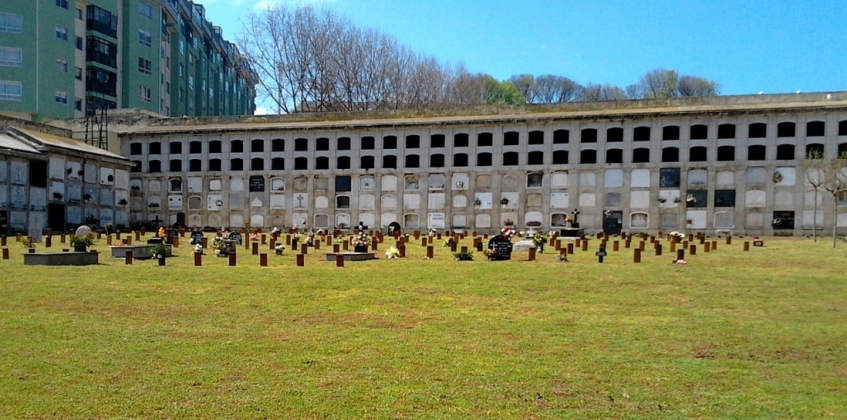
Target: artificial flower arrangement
[[279, 249], [463, 256], [159, 251], [678, 236], [392, 253], [85, 240], [254, 237], [217, 244], [198, 249]]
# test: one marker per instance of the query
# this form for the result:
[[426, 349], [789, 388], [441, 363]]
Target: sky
[[769, 46]]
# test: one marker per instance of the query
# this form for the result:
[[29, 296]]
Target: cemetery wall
[[47, 181], [706, 165]]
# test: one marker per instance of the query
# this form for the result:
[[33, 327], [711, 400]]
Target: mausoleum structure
[[730, 164], [49, 181]]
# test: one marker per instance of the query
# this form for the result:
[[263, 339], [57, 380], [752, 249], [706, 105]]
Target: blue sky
[[770, 46]]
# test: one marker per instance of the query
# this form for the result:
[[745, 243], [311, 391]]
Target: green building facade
[[64, 58]]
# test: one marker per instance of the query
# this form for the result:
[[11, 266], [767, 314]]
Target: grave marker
[[430, 252], [198, 260], [128, 258], [746, 245], [532, 254], [232, 261], [636, 255], [585, 245], [339, 260], [615, 245], [692, 249], [600, 254], [658, 250], [263, 260], [570, 248], [5, 253], [301, 260]]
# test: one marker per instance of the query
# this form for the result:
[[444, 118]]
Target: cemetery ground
[[731, 334]]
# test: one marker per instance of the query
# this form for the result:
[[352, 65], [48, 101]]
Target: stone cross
[[300, 201], [600, 254], [575, 213]]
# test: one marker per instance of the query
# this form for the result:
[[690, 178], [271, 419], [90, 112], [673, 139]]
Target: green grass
[[738, 335]]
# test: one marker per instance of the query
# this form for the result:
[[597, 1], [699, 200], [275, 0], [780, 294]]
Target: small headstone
[[499, 248], [601, 253]]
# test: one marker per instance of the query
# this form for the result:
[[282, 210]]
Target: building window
[[436, 161], [257, 146], [484, 139], [215, 146], [175, 165], [214, 165], [785, 152], [614, 156], [535, 158], [236, 146], [78, 75], [145, 66], [194, 165], [697, 154], [343, 143], [460, 160], [11, 57], [483, 159], [322, 163], [699, 132], [510, 158], [78, 13], [257, 164], [726, 131], [641, 155], [62, 3], [144, 38], [342, 162], [366, 162], [154, 148], [413, 161], [389, 142], [61, 97], [756, 152], [511, 138], [814, 151], [670, 132], [11, 23], [277, 164], [460, 140], [135, 149], [175, 147], [301, 145], [343, 184], [62, 66], [641, 134], [322, 144], [389, 162], [278, 145], [79, 43], [144, 94], [726, 153], [757, 130], [190, 81], [561, 136], [670, 154], [154, 167], [560, 157], [587, 157], [614, 135], [195, 147], [62, 33], [437, 141], [236, 164], [145, 10], [785, 129], [536, 137], [367, 143], [589, 135], [815, 129]]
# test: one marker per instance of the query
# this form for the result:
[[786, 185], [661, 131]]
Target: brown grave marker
[[707, 247], [680, 254], [301, 260], [198, 260], [729, 240], [746, 245], [402, 250], [714, 245], [5, 253], [263, 260], [255, 247], [339, 260], [336, 248], [532, 254], [658, 250], [636, 255], [232, 260], [48, 241], [692, 249], [128, 257], [304, 249], [430, 252], [615, 245], [570, 248]]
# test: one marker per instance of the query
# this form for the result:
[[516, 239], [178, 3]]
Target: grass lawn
[[741, 335]]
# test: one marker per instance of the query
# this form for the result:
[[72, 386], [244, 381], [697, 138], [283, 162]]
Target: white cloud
[[260, 110]]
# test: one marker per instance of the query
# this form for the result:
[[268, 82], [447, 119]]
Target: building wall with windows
[[50, 181], [61, 58], [718, 164]]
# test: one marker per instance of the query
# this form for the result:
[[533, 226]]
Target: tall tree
[[829, 174]]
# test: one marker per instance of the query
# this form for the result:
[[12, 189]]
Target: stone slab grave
[[352, 256], [62, 258], [139, 252], [499, 248], [526, 243]]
